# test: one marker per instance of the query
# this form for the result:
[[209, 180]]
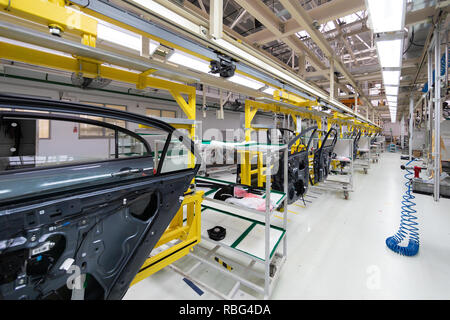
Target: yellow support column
[[319, 127], [189, 234], [251, 108]]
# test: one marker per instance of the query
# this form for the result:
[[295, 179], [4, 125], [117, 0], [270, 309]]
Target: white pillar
[[216, 19], [437, 112], [411, 124]]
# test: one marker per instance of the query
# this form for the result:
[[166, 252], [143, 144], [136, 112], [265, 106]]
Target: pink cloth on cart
[[248, 200]]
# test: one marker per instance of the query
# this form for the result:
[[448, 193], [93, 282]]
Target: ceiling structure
[[308, 36]]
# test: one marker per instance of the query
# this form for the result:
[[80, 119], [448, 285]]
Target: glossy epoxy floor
[[336, 247]]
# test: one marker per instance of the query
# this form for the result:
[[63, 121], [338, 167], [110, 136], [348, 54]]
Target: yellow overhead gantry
[[294, 106], [251, 108]]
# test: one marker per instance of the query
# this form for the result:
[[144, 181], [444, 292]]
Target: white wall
[[396, 129]]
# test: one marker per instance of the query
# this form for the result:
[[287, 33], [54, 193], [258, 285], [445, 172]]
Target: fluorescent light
[[392, 103], [386, 15], [168, 14], [391, 91], [390, 53], [119, 37], [190, 61], [246, 81], [153, 45], [391, 78], [269, 90], [391, 98]]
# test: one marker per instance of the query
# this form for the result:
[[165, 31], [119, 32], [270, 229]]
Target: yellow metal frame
[[282, 95], [186, 230], [251, 108], [53, 13]]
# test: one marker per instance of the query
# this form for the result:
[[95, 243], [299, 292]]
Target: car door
[[80, 226]]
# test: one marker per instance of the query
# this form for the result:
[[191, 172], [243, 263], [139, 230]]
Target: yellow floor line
[[298, 205], [289, 220], [293, 212]]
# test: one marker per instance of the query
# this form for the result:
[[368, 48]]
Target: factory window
[[44, 129], [168, 114], [160, 113], [90, 131]]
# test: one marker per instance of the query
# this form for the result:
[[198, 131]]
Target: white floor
[[337, 250]]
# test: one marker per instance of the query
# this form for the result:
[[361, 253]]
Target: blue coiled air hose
[[408, 225]]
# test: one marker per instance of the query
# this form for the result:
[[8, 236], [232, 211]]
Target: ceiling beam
[[268, 18], [301, 16], [333, 10], [344, 40], [329, 11], [239, 17]]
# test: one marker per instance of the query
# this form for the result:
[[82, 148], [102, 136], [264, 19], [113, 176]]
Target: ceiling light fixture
[[390, 53], [391, 91], [391, 78], [153, 45], [269, 90], [119, 37], [189, 61], [386, 15], [168, 14], [246, 81]]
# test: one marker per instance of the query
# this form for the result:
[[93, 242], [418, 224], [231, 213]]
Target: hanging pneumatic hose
[[408, 230]]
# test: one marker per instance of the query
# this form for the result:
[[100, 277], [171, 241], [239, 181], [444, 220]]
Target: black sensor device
[[217, 233]]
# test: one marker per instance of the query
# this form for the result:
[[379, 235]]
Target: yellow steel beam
[[53, 13], [189, 235], [282, 95], [251, 108], [142, 79], [187, 107], [94, 68]]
